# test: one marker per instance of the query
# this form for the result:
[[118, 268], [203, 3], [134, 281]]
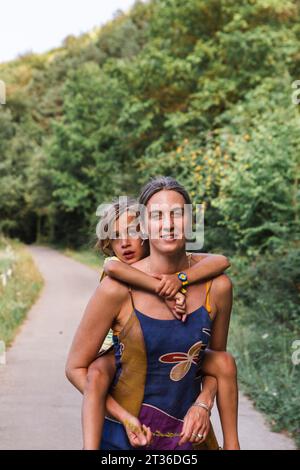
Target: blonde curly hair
[[107, 220]]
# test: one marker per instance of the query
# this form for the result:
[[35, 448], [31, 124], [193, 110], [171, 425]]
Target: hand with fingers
[[196, 425], [177, 306], [169, 288], [138, 434], [169, 285]]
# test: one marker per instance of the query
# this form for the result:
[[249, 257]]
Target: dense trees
[[200, 90]]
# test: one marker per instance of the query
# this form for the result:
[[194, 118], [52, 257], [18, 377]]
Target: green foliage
[[259, 197], [265, 323], [172, 87]]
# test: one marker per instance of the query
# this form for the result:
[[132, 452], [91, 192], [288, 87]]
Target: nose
[[167, 223], [125, 242]]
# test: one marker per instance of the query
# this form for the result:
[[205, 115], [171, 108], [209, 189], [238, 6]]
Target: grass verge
[[264, 329], [20, 285]]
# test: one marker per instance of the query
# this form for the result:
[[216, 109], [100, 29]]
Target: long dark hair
[[159, 183]]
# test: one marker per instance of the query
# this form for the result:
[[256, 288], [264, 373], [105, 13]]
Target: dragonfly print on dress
[[183, 360], [157, 361]]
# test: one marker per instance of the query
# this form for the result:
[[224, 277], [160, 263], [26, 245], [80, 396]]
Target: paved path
[[39, 409]]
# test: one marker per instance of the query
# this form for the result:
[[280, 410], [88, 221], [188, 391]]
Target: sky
[[40, 25]]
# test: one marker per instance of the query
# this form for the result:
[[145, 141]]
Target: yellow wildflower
[[218, 150]]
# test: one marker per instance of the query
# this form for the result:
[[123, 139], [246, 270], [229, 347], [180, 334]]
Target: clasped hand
[[169, 288]]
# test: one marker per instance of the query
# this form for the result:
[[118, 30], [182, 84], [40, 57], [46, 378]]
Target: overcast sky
[[40, 25]]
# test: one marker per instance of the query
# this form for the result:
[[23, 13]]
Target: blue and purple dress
[[156, 378]]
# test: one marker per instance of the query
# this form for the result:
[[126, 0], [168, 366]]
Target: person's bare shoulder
[[196, 256], [221, 287], [112, 289]]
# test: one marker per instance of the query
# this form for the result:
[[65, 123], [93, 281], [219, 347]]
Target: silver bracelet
[[202, 405]]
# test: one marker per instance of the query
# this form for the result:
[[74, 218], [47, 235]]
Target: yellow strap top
[[109, 258], [207, 298], [207, 288]]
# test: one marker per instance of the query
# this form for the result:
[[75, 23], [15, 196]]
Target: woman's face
[[127, 245], [166, 221]]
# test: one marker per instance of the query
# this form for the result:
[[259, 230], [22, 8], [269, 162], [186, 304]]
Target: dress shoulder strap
[[207, 297], [102, 276]]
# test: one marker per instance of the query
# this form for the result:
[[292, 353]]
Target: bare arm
[[206, 266], [137, 278], [132, 276], [93, 328], [221, 300], [221, 296]]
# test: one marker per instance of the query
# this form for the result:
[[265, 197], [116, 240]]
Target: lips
[[129, 254], [169, 236]]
